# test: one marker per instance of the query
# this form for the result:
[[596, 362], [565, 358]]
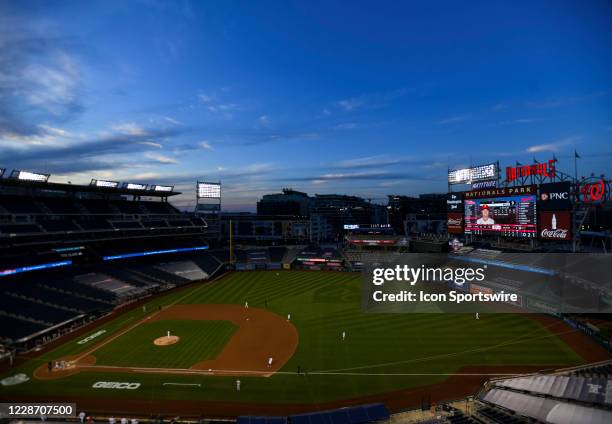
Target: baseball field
[[184, 351]]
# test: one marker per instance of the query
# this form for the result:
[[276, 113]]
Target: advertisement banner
[[454, 223], [555, 225], [454, 202], [555, 197], [484, 184], [500, 192]]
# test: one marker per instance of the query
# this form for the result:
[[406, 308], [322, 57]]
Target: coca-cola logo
[[559, 233], [555, 225]]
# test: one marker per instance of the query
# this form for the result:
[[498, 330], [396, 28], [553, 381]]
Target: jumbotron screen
[[511, 216]]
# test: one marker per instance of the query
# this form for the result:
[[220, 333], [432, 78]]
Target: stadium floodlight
[[162, 188], [133, 186], [209, 190], [472, 174], [104, 183], [29, 176]]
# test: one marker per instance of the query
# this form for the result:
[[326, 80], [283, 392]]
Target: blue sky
[[365, 98]]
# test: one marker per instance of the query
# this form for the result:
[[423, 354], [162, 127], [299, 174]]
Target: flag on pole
[[576, 155]]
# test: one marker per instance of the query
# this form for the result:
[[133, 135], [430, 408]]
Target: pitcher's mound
[[166, 340]]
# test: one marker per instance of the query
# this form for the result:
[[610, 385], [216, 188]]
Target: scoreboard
[[511, 216]]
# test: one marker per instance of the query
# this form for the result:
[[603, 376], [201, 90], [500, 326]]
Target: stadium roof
[[74, 188]]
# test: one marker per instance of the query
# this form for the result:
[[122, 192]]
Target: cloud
[[370, 100], [206, 145], [242, 175], [172, 120], [346, 126], [111, 150], [264, 120], [453, 120], [350, 104], [500, 106], [554, 146], [563, 100], [218, 107], [369, 161], [152, 144], [40, 80], [522, 121], [353, 176], [44, 136], [373, 175], [161, 159], [130, 128], [205, 98], [222, 107]]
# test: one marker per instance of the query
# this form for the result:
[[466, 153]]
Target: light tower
[[208, 206]]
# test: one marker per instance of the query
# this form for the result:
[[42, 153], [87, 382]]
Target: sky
[[354, 97]]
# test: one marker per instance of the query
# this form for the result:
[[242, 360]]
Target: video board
[[510, 216]]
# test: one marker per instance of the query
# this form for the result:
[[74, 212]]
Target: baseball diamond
[[380, 357]]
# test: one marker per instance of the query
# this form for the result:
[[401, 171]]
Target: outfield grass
[[382, 352], [199, 340]]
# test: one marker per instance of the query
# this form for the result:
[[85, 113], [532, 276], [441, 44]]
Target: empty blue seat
[[339, 416], [300, 419], [377, 411], [358, 415]]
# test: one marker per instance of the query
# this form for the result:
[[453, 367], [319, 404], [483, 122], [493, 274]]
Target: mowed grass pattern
[[323, 305], [382, 352], [199, 340]]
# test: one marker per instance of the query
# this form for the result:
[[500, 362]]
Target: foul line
[[182, 384], [257, 372], [518, 340], [128, 329]]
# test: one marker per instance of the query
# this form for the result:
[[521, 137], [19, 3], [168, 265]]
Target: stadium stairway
[[209, 263]]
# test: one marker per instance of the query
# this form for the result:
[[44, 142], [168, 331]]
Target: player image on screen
[[512, 216], [485, 218]]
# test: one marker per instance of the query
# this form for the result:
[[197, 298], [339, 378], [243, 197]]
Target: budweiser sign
[[454, 223], [555, 225], [546, 169]]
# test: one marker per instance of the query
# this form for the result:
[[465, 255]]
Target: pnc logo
[[555, 196]]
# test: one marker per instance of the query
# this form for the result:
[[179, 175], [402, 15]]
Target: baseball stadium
[[174, 314], [305, 212]]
